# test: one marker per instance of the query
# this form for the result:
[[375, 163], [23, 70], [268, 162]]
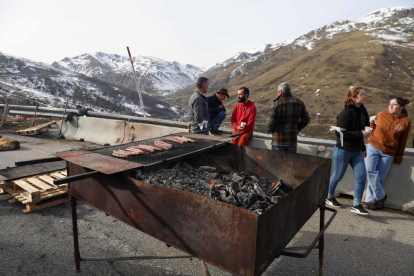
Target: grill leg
[[75, 233], [321, 241]]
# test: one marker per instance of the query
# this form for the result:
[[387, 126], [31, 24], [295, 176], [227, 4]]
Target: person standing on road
[[350, 148], [287, 116], [217, 109], [198, 108], [243, 118], [386, 145]]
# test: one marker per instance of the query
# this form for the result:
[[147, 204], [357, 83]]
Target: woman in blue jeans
[[350, 148], [386, 145]]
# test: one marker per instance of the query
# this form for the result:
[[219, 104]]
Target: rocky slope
[[23, 81], [156, 76], [376, 52]]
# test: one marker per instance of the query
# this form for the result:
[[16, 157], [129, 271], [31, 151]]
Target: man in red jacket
[[243, 118]]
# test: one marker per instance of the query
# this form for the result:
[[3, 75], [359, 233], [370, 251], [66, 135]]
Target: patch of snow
[[317, 91]]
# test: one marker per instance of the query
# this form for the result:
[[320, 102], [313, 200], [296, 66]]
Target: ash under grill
[[177, 150]]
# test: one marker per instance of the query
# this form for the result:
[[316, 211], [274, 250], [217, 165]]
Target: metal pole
[[321, 241], [75, 233], [34, 117], [63, 117], [136, 84], [6, 110]]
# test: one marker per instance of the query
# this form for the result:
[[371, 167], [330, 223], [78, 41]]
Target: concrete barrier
[[100, 131], [69, 129], [140, 131]]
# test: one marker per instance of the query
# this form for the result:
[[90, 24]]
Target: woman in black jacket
[[350, 148]]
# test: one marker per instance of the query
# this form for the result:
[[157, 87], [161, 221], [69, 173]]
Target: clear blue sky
[[202, 33]]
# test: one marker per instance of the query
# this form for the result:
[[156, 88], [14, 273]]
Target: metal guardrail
[[51, 112]]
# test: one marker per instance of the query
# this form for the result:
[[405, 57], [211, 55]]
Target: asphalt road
[[41, 243]]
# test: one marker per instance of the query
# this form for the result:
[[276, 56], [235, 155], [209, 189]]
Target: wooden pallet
[[37, 192], [36, 129]]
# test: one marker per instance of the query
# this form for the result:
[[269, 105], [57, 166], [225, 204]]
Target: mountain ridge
[[23, 81], [322, 64], [156, 76]]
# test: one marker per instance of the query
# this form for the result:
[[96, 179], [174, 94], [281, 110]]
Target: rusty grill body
[[229, 237]]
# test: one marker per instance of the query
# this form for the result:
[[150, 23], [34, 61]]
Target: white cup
[[242, 125], [368, 129]]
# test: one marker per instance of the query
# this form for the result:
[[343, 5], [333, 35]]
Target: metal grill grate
[[156, 157]]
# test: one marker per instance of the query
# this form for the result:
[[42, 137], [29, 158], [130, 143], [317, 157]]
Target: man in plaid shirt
[[287, 116]]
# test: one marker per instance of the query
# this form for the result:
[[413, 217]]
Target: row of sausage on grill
[[159, 145]]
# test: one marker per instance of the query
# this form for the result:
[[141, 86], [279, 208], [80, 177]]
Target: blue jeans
[[341, 160], [378, 165], [216, 120], [286, 149]]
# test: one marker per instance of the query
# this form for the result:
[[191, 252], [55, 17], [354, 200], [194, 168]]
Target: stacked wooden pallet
[[36, 129], [37, 192]]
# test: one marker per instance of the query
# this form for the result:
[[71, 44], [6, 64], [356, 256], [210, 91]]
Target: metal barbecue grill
[[177, 151], [230, 237]]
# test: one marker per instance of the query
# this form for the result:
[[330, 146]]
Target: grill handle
[[75, 177], [37, 161]]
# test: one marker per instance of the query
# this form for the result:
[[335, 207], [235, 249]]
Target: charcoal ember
[[259, 191], [235, 187], [246, 199], [258, 211], [255, 179], [223, 195], [231, 200], [262, 204], [207, 169], [249, 192], [203, 183], [275, 199], [275, 188], [237, 178], [138, 174]]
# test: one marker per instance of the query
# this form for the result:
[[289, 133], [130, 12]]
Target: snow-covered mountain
[[156, 76], [389, 26], [23, 81], [376, 52]]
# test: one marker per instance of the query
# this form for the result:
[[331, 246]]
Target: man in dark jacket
[[217, 109], [287, 116], [198, 108]]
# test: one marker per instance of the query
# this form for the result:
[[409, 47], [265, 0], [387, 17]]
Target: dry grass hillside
[[332, 67]]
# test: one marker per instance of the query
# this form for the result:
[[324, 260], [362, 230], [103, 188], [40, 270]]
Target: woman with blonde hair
[[350, 132], [386, 145]]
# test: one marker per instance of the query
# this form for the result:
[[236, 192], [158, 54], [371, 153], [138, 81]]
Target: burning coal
[[251, 192]]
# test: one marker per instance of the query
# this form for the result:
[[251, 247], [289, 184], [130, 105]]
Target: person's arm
[[304, 119], [344, 120], [234, 118], [366, 116], [218, 109], [198, 110], [271, 119], [250, 121], [213, 104], [374, 120], [401, 145]]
